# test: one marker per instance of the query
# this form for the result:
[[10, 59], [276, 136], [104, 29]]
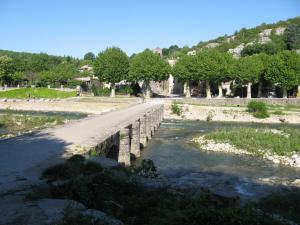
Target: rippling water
[[185, 165]]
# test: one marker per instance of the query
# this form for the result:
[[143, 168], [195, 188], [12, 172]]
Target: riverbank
[[227, 114], [277, 145]]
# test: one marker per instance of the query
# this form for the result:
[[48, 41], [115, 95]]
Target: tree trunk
[[220, 91], [148, 90], [298, 91], [208, 94], [113, 90], [249, 90], [185, 87], [259, 93], [188, 90], [284, 92]]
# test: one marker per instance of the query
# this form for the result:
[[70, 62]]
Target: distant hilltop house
[[158, 51]]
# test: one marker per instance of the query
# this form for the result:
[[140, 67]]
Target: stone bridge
[[130, 128]]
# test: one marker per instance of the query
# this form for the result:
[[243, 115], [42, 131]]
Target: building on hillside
[[86, 68], [158, 51], [193, 52]]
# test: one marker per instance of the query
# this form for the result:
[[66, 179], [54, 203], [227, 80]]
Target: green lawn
[[36, 93], [253, 139]]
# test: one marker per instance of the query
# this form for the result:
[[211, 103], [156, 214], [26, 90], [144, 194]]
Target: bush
[[147, 169], [100, 91], [125, 90], [259, 109], [176, 109]]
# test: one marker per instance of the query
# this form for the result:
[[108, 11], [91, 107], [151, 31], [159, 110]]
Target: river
[[182, 164]]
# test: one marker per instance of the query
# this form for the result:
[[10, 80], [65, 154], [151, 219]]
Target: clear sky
[[73, 27]]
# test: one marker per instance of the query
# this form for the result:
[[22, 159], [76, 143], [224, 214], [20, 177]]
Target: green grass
[[252, 139], [14, 123], [288, 108], [36, 93]]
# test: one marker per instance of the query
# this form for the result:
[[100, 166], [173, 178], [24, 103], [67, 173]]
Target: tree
[[89, 56], [6, 69], [148, 66], [184, 70], [284, 70], [248, 71], [293, 36], [112, 66], [63, 73], [214, 66], [18, 77]]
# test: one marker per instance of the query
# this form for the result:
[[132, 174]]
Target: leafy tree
[[293, 36], [89, 56], [148, 66], [185, 70], [64, 73], [18, 77], [6, 69], [284, 70], [112, 66], [248, 71], [214, 66]]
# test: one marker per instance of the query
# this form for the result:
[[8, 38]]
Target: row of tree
[[212, 66]]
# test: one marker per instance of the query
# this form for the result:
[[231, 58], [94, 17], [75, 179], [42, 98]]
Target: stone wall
[[238, 101]]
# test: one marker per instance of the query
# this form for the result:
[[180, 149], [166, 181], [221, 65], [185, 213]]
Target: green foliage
[[284, 69], [176, 109], [259, 109], [18, 77], [98, 91], [147, 168], [214, 66], [257, 48], [253, 139], [293, 36], [73, 167], [112, 65], [148, 66], [6, 69], [286, 204], [125, 90], [14, 124], [36, 93], [249, 69], [185, 68], [89, 56], [118, 193]]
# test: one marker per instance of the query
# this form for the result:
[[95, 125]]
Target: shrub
[[100, 91], [209, 117], [125, 90], [147, 169], [259, 109], [176, 109]]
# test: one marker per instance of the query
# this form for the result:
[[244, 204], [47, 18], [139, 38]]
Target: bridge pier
[[138, 134], [143, 133], [135, 139], [124, 147]]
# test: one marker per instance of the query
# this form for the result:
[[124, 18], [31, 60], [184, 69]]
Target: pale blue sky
[[73, 27]]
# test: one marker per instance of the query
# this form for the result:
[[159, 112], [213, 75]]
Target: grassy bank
[[36, 93], [14, 124], [282, 142], [119, 193]]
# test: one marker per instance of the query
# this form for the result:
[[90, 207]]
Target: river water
[[182, 164]]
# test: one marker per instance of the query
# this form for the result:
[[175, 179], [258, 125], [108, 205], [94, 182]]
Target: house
[[158, 51]]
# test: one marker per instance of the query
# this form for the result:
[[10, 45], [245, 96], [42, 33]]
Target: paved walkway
[[27, 155]]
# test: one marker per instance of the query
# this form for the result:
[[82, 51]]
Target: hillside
[[268, 38]]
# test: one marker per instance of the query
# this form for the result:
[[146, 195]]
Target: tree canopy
[[112, 65], [284, 69], [89, 56], [6, 69], [148, 66]]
